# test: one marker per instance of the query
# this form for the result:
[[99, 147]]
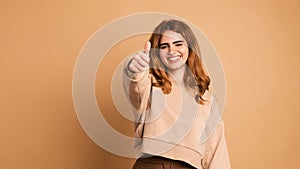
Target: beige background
[[258, 42]]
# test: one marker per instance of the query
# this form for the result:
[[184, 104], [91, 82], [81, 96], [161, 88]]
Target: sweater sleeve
[[216, 153], [137, 87]]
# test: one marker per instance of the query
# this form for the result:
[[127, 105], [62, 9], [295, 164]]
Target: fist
[[140, 61]]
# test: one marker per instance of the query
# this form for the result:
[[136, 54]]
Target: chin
[[175, 67]]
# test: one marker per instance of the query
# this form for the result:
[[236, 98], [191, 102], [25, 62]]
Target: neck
[[178, 74]]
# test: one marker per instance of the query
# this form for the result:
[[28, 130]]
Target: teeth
[[174, 58]]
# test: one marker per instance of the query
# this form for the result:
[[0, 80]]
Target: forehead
[[170, 36]]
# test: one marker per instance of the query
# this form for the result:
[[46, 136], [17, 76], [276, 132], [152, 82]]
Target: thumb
[[147, 47]]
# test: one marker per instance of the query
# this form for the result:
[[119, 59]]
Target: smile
[[174, 58]]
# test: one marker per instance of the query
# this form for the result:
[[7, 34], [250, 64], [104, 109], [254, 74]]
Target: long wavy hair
[[195, 76]]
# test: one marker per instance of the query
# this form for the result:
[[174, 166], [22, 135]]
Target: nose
[[172, 49]]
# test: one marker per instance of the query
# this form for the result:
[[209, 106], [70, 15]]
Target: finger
[[147, 47], [133, 69], [137, 67], [144, 57]]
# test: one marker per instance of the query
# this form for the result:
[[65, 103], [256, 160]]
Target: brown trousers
[[156, 162]]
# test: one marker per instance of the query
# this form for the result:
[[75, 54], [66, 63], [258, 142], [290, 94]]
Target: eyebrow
[[178, 41]]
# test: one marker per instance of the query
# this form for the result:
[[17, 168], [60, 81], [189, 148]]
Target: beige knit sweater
[[175, 126]]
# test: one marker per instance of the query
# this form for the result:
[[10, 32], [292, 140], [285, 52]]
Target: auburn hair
[[195, 76]]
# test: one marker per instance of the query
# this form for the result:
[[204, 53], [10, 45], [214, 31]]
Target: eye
[[163, 47], [178, 44]]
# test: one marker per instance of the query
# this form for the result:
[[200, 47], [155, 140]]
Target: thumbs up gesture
[[140, 61]]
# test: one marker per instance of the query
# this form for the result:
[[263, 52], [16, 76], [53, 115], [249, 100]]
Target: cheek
[[162, 54], [185, 52]]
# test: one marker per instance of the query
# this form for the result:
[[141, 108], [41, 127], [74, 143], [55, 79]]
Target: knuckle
[[135, 57], [131, 67]]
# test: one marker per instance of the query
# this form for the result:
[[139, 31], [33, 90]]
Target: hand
[[140, 61]]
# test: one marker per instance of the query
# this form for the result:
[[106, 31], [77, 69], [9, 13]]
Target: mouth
[[174, 58]]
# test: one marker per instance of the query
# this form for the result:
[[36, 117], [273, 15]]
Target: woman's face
[[173, 50]]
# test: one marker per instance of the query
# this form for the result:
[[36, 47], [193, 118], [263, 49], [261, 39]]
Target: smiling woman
[[173, 50], [172, 101]]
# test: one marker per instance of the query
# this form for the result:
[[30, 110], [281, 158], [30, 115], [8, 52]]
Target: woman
[[172, 101]]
